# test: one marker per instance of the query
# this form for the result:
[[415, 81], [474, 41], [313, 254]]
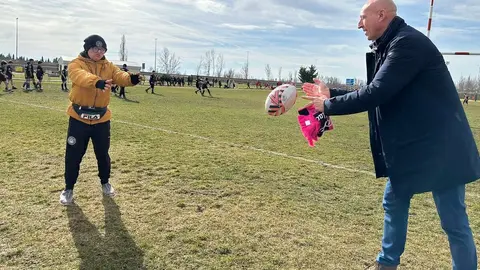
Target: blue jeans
[[454, 220]]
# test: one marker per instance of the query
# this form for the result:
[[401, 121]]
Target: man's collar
[[389, 33]]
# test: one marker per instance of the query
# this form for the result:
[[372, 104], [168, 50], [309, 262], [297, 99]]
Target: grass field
[[202, 183]]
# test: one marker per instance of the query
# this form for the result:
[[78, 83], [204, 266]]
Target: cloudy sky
[[281, 33]]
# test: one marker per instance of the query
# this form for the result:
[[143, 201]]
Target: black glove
[[100, 84], [135, 78]]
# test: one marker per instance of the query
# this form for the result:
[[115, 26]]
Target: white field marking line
[[216, 141]]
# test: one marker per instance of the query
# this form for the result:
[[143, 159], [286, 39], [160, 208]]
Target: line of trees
[[211, 64], [468, 84], [24, 58]]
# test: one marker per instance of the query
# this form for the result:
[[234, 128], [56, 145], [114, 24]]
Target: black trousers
[[64, 84], [152, 86], [79, 135], [122, 92]]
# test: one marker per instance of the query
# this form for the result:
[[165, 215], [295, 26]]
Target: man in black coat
[[422, 144]]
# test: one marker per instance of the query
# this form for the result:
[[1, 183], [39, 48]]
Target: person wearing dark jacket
[[421, 144], [64, 75], [39, 74], [29, 77], [122, 88], [152, 81], [9, 74], [3, 75]]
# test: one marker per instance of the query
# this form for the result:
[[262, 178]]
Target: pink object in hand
[[313, 124]]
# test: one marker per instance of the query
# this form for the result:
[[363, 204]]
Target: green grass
[[209, 201]]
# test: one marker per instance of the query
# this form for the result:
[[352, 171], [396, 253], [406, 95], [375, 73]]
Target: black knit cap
[[94, 41]]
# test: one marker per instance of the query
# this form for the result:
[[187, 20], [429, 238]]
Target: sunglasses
[[98, 50]]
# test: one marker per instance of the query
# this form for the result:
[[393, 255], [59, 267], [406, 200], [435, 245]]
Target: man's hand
[[316, 89], [104, 84], [317, 101], [108, 85]]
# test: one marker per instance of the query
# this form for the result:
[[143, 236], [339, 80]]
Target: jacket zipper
[[96, 91]]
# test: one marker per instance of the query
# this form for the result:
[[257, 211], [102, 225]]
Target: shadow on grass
[[129, 100], [211, 97], [115, 250]]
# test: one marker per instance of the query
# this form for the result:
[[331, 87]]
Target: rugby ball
[[281, 99]]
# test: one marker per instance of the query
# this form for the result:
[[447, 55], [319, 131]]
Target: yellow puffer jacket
[[84, 73]]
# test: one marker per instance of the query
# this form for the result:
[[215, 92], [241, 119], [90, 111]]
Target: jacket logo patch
[[90, 116], [71, 140]]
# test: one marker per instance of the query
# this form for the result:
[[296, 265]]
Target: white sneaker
[[66, 197], [108, 190]]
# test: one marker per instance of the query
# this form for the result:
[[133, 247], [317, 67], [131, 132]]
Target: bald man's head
[[375, 17], [381, 4]]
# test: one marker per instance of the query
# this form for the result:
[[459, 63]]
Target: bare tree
[[477, 85], [200, 65], [229, 73], [244, 71], [245, 68], [461, 84], [331, 81], [359, 82], [207, 63], [212, 58], [470, 84], [170, 63], [123, 49], [290, 76], [239, 75], [295, 77], [268, 71], [220, 65], [280, 73]]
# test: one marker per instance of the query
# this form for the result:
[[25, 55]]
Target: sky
[[284, 34]]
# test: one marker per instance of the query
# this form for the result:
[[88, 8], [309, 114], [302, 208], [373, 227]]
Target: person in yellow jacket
[[92, 76]]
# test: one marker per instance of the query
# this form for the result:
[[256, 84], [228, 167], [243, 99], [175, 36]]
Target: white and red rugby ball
[[281, 99]]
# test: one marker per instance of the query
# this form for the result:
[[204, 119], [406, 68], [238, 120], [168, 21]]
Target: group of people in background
[[201, 84], [6, 75]]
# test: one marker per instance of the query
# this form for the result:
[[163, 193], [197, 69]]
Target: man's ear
[[381, 15]]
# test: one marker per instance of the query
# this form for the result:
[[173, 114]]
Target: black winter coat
[[419, 134]]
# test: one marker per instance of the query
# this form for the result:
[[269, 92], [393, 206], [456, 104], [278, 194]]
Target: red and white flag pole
[[459, 53], [429, 27], [430, 19]]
